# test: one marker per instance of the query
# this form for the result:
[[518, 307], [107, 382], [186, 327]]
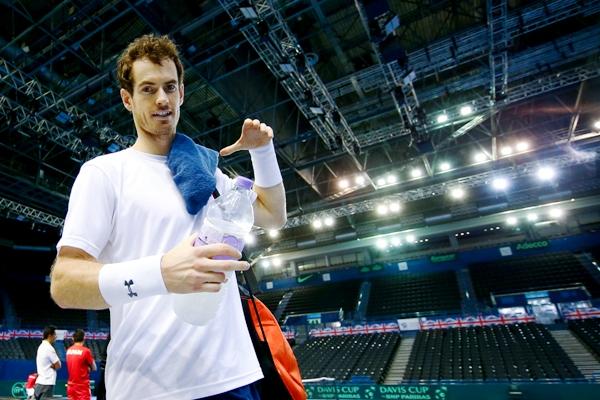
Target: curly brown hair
[[155, 48]]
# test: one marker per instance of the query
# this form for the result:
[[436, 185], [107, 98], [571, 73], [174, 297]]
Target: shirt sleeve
[[89, 220], [52, 356], [89, 358]]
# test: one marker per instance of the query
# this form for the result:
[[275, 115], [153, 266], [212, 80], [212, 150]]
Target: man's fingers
[[210, 287], [222, 265], [225, 151], [212, 277], [256, 123], [218, 249]]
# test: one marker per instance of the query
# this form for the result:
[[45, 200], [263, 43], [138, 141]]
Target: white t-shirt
[[46, 356], [125, 206]]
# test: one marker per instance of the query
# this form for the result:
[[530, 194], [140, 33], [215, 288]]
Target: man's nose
[[162, 99]]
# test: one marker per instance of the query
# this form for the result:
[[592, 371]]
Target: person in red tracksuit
[[79, 364]]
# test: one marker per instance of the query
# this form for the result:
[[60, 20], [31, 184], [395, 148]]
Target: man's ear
[[126, 98], [181, 92]]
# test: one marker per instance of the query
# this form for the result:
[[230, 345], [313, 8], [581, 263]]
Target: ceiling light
[[396, 241], [522, 146], [381, 243], [442, 118], [390, 179], [532, 217], [445, 166], [276, 262], [546, 173], [265, 263], [506, 150], [512, 221], [394, 206], [500, 183], [556, 213], [597, 125], [480, 157], [410, 238], [329, 221], [317, 224], [273, 233], [382, 209], [249, 239], [343, 183], [416, 173], [466, 110], [457, 193], [360, 180], [380, 181]]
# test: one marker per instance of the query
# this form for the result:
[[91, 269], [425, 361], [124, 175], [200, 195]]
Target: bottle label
[[209, 235]]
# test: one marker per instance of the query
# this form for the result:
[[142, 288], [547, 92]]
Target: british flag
[[582, 313]]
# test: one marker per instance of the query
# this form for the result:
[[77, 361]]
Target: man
[[47, 363], [127, 243], [79, 364]]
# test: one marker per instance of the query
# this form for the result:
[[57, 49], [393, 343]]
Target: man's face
[[156, 97], [52, 338]]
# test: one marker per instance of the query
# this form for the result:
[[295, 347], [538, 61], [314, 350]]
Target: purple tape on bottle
[[233, 241]]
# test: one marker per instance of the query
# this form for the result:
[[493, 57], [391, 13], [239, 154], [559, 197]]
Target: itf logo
[[441, 393], [18, 390]]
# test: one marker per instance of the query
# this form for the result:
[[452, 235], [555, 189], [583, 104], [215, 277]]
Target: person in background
[[47, 363], [30, 385], [79, 364]]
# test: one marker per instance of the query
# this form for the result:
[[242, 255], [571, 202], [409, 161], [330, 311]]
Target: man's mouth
[[162, 114]]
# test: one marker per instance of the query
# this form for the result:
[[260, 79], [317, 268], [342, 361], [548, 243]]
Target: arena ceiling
[[405, 100]]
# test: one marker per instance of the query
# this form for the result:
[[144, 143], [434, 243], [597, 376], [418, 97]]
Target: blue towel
[[193, 168]]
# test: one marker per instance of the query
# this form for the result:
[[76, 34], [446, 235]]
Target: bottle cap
[[244, 182]]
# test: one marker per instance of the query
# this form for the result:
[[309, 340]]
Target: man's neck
[[158, 145]]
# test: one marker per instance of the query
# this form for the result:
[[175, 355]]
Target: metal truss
[[30, 213], [498, 44], [470, 45], [44, 102], [279, 49], [405, 100], [440, 189], [482, 105]]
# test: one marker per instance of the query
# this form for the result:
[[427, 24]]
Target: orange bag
[[282, 378]]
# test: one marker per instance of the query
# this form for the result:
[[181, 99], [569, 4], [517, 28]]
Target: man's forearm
[[74, 284], [270, 209]]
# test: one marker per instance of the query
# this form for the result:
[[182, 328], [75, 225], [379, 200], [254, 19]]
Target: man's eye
[[172, 88], [147, 89]]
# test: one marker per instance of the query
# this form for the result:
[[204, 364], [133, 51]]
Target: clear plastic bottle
[[228, 220]]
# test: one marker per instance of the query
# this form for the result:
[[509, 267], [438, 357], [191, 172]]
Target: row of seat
[[546, 271], [345, 357], [502, 352], [588, 330]]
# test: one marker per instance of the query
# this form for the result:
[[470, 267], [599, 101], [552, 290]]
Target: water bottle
[[228, 220]]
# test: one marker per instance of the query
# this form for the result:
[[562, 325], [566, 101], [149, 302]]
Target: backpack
[[282, 380]]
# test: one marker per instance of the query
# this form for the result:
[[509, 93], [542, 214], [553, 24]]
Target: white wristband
[[266, 169], [132, 280]]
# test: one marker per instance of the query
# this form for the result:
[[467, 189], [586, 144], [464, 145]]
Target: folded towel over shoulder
[[193, 168]]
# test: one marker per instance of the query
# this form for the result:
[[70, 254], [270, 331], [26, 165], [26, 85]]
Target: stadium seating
[[547, 271], [588, 330], [408, 294], [35, 308], [326, 297], [11, 350], [271, 298], [342, 357], [501, 352]]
